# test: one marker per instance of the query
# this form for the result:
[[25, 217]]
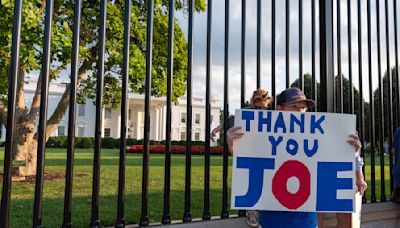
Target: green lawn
[[53, 194], [22, 193]]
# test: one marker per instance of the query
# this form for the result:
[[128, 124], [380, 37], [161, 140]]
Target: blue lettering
[[292, 147], [275, 143], [248, 116], [311, 152], [299, 122], [280, 123], [262, 121], [328, 183], [256, 167], [316, 124]]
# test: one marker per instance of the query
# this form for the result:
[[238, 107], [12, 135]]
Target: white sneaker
[[252, 218]]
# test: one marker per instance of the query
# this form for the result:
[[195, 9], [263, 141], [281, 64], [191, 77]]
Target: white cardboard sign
[[293, 161]]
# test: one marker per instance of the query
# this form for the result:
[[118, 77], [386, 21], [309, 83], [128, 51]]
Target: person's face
[[300, 106], [261, 102]]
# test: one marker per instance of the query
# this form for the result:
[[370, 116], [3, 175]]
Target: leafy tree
[[61, 49]]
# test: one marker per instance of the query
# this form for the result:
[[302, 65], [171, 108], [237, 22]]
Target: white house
[[85, 116]]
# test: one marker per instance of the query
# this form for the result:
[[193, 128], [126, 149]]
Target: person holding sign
[[294, 100]]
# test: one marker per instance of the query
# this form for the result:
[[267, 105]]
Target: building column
[[163, 123], [138, 125], [156, 123], [102, 122]]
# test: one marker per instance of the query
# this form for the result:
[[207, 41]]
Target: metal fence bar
[[187, 216], [243, 57], [273, 52], [361, 115], [396, 68], [381, 114], [166, 219], [94, 221], [326, 55], [351, 84], [224, 212], [371, 104], [71, 117], [301, 76], [144, 220], [12, 94], [124, 113], [287, 43], [41, 149], [313, 73], [389, 93], [259, 6], [339, 92], [206, 210]]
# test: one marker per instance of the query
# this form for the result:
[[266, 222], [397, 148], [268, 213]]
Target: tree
[[61, 48]]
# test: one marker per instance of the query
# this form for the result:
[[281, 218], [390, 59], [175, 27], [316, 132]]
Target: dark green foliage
[[57, 142], [109, 143], [84, 142]]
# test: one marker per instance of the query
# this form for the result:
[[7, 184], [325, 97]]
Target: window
[[81, 131], [107, 114], [129, 114], [183, 135], [197, 118], [61, 130], [211, 118], [183, 117], [107, 132], [81, 110], [197, 136]]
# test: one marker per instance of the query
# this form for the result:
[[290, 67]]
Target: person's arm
[[393, 151], [215, 131], [360, 182]]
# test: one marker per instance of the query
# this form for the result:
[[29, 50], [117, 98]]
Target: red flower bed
[[176, 149]]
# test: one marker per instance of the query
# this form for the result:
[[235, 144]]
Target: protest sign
[[293, 161]]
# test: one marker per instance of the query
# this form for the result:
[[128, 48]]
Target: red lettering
[[290, 169]]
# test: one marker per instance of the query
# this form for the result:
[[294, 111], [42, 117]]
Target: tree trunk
[[25, 150]]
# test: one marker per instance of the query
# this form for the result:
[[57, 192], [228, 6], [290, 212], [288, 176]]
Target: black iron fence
[[378, 116]]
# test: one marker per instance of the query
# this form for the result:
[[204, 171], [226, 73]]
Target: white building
[[85, 116]]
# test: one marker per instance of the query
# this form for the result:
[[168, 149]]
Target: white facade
[[85, 116]]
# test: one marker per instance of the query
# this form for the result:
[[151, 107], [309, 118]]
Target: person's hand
[[213, 135], [354, 141], [232, 134], [361, 186]]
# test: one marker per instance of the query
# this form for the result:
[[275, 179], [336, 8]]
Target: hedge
[[108, 142], [176, 149]]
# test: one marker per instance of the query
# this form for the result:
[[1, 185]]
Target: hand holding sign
[[293, 161]]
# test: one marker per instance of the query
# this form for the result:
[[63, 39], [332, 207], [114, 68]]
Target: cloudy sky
[[218, 25]]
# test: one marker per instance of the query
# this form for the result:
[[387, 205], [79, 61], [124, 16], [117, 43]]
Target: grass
[[53, 191]]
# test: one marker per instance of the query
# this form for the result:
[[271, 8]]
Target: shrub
[[57, 142], [130, 141], [84, 142], [109, 143]]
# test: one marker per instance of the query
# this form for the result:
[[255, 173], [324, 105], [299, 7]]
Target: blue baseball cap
[[293, 95]]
